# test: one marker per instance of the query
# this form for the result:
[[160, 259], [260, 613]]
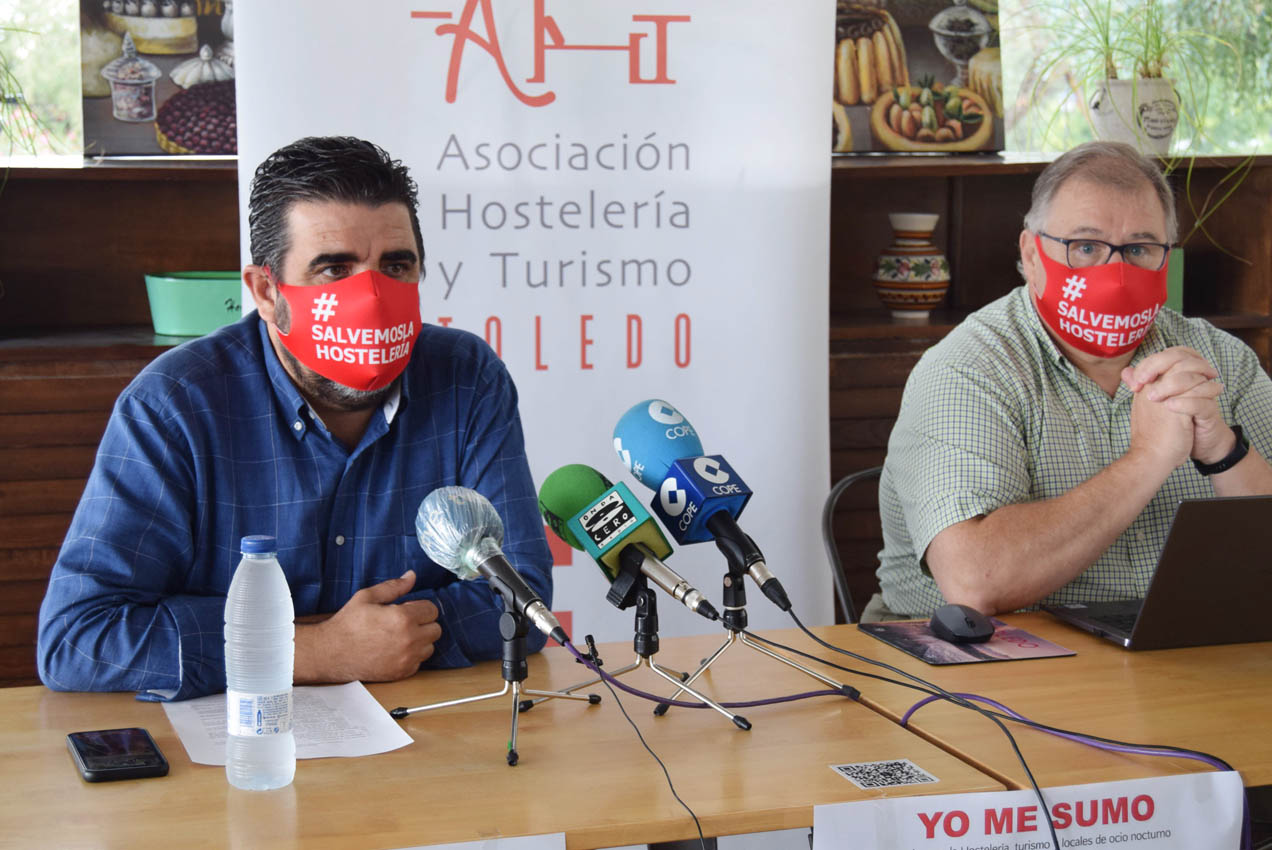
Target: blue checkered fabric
[[994, 414], [211, 442]]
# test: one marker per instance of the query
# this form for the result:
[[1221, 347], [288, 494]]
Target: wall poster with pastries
[[917, 76], [158, 77]]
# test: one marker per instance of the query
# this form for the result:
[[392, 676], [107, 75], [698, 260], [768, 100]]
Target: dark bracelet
[[1234, 457]]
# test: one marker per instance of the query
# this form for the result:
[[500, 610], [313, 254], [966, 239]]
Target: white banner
[[628, 200], [1161, 813]]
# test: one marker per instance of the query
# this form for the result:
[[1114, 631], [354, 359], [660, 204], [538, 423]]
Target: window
[[39, 79], [1217, 54]]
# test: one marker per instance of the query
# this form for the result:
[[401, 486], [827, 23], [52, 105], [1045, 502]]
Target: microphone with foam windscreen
[[461, 531], [698, 497], [605, 520]]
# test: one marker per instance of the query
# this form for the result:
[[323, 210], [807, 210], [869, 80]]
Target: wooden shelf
[[932, 165], [962, 165], [31, 345], [137, 169], [1240, 321], [868, 165], [880, 324]]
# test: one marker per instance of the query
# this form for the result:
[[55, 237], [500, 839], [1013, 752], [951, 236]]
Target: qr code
[[883, 774]]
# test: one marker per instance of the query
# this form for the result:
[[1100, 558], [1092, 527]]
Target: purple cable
[[682, 703], [1073, 736], [1246, 836]]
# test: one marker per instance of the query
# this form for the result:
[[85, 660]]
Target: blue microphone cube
[[694, 489]]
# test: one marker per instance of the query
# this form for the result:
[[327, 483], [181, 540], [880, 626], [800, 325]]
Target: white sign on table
[[1161, 813]]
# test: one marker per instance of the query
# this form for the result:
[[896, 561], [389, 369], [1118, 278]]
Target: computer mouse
[[960, 624]]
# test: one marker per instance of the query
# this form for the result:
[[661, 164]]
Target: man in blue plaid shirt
[[1041, 447], [323, 419]]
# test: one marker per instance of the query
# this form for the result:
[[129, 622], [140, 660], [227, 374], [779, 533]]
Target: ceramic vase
[[911, 275]]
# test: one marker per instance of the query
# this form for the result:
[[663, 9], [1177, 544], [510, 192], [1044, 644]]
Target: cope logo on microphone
[[709, 468], [664, 414], [625, 457], [607, 519], [717, 476], [671, 496]]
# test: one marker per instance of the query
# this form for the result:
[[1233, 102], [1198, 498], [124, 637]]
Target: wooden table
[[1216, 699], [582, 770]]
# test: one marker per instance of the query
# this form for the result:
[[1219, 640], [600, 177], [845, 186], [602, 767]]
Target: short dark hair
[[323, 168]]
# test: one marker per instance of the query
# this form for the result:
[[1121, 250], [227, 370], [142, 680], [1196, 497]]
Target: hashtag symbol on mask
[[1073, 287], [325, 307]]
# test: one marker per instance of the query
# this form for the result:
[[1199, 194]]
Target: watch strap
[[1233, 457]]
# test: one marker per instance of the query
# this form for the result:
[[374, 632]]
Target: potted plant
[[19, 125], [1132, 69], [29, 77], [1141, 72]]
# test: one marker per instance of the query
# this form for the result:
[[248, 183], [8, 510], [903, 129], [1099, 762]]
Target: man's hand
[[1185, 383], [370, 639]]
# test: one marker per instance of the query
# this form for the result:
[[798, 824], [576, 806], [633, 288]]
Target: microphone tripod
[[632, 588], [734, 619], [513, 629]]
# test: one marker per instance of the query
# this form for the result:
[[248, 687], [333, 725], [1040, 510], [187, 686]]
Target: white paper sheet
[[328, 720]]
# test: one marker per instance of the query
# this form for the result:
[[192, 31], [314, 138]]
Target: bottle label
[[257, 715]]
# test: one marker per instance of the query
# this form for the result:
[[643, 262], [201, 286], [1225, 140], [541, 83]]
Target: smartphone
[[108, 754]]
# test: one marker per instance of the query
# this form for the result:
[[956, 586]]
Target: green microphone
[[566, 492], [588, 512]]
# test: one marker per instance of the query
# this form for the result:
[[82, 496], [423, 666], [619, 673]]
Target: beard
[[315, 387]]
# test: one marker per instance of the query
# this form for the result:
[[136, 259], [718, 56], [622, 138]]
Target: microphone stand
[[734, 619], [632, 588], [513, 630]]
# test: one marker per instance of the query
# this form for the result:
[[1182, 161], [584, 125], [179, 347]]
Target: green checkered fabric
[[994, 414]]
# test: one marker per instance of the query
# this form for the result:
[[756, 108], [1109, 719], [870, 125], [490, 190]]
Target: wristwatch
[[1232, 459]]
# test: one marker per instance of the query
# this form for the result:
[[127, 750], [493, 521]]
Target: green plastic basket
[[193, 303]]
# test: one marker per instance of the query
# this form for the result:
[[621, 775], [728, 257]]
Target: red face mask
[[358, 331], [1100, 310]]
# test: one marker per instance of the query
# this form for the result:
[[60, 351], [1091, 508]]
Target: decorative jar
[[132, 84], [911, 275]]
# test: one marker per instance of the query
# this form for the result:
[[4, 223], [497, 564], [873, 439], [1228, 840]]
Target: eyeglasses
[[1080, 253]]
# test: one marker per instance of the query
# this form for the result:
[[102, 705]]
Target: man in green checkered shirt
[[1042, 447]]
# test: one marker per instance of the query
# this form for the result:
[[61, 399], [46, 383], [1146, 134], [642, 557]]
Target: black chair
[[842, 590]]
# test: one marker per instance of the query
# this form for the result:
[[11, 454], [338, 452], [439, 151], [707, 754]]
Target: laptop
[[1213, 582]]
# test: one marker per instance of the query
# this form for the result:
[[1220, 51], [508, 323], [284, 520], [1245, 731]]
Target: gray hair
[[1110, 163]]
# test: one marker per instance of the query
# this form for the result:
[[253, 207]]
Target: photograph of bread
[[917, 76]]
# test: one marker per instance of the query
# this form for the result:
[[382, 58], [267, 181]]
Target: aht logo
[[547, 36]]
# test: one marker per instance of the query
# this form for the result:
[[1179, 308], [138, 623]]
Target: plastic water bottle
[[260, 750]]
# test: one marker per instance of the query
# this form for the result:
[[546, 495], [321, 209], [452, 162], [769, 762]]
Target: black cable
[[936, 691], [1055, 838], [959, 701], [591, 646]]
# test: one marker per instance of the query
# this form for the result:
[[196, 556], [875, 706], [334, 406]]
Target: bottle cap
[[259, 544]]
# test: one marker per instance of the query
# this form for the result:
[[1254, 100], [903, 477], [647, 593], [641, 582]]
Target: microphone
[[605, 520], [650, 436], [461, 531], [698, 497]]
